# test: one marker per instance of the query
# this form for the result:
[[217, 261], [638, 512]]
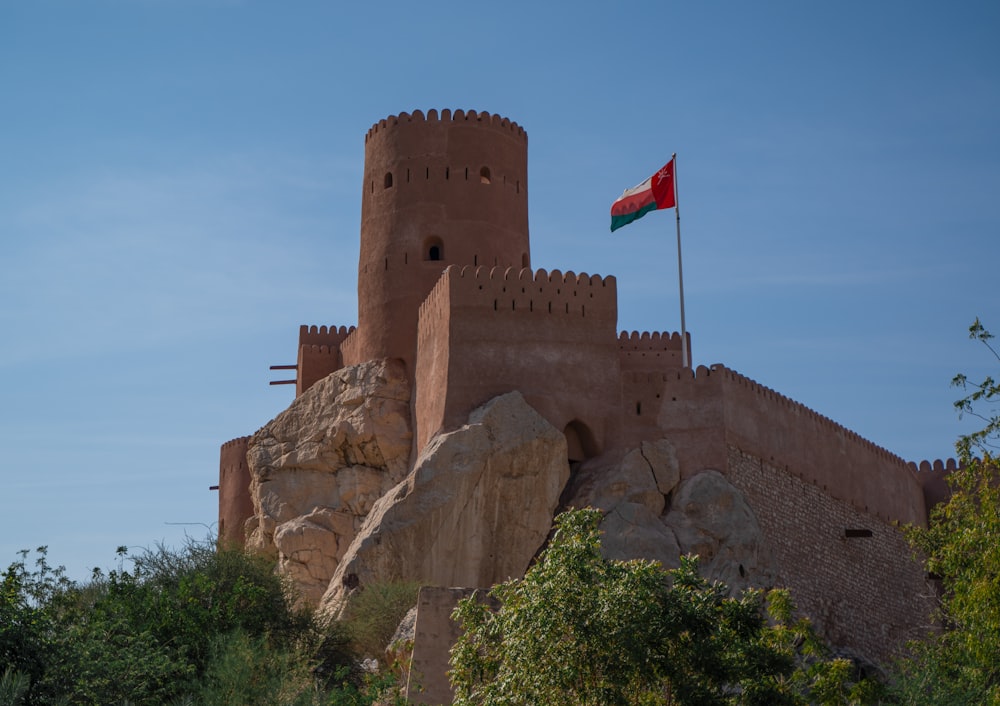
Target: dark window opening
[[433, 249], [447, 172], [638, 409], [388, 180], [484, 175]]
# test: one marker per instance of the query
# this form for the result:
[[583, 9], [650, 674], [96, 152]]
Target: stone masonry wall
[[866, 594]]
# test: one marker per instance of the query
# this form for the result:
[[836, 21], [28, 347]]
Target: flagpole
[[680, 268]]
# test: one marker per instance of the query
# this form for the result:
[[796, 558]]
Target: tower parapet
[[654, 351], [319, 354], [438, 190], [235, 503]]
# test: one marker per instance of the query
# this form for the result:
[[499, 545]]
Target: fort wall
[[319, 354], [549, 335], [933, 479], [788, 435], [651, 352], [235, 503], [867, 593]]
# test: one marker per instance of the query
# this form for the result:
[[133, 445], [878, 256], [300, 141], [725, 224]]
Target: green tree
[[960, 664], [194, 625], [981, 401], [579, 629]]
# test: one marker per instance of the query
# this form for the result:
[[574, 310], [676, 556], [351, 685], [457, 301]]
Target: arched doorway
[[580, 442]]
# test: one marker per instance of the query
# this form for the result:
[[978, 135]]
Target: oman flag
[[655, 193]]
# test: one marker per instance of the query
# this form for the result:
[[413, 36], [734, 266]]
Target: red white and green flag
[[654, 194]]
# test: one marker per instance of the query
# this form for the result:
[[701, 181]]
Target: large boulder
[[645, 476], [476, 508], [650, 514], [710, 517], [317, 469]]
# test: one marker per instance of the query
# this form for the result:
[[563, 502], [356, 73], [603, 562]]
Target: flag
[[653, 194]]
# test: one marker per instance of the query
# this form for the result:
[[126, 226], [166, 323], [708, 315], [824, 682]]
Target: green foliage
[[960, 664], [374, 614], [13, 687], [26, 624], [579, 629], [982, 402], [196, 626], [247, 670]]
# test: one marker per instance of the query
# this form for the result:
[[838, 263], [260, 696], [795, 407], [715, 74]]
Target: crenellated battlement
[[646, 341], [511, 290], [468, 117], [936, 466], [240, 441], [323, 335], [235, 504], [797, 408], [933, 478], [656, 351], [320, 353]]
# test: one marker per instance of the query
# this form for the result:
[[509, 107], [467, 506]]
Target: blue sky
[[180, 188]]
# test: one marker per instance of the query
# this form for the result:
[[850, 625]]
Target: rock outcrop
[[334, 502], [318, 468], [710, 517], [474, 511], [650, 514]]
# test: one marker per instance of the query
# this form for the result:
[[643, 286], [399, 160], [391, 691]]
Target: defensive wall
[[484, 332], [707, 410], [646, 360], [852, 573], [235, 503], [319, 354], [933, 478]]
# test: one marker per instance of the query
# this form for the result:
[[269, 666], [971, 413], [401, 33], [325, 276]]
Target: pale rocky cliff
[[336, 501], [319, 467]]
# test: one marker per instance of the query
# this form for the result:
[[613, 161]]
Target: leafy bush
[[194, 626], [579, 629], [374, 613]]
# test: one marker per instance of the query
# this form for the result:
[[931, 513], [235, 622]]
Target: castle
[[445, 285]]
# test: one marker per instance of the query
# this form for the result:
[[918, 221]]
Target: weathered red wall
[[551, 336], [319, 354], [235, 504], [701, 409]]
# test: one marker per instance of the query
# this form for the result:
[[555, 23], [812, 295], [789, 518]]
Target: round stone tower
[[439, 190]]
